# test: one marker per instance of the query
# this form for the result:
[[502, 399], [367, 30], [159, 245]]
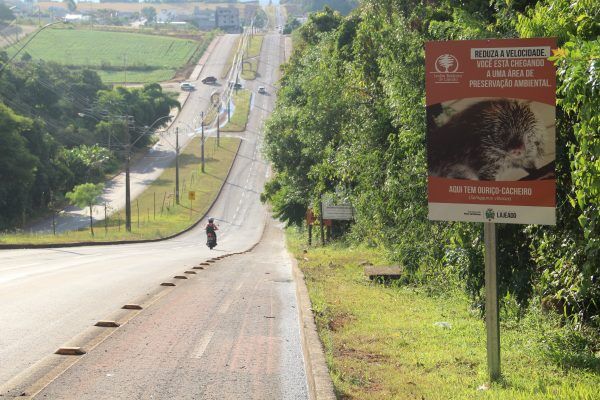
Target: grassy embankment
[[382, 342], [251, 57], [116, 56], [239, 117], [154, 213]]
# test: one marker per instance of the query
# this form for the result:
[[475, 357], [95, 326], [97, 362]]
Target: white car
[[187, 86]]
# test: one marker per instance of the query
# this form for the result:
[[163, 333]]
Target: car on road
[[209, 80], [237, 85], [187, 86], [262, 90]]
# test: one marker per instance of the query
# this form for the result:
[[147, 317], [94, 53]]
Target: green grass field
[[382, 342], [154, 214], [148, 58]]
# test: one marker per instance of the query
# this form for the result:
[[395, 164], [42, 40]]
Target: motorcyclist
[[211, 229]]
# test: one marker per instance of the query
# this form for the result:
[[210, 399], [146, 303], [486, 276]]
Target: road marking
[[225, 306], [199, 350]]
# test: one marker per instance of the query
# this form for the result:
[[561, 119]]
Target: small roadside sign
[[191, 195], [340, 212]]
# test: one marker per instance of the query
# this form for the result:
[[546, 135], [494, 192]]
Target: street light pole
[[177, 165]]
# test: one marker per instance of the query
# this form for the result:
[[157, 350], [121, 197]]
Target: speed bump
[[107, 324], [131, 307], [180, 277], [167, 284], [70, 351]]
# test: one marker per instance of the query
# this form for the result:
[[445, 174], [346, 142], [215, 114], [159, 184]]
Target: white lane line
[[225, 306], [199, 350]]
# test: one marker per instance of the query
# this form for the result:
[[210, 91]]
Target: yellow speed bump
[[70, 351]]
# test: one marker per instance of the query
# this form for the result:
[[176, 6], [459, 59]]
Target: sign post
[[491, 144], [191, 197], [492, 316]]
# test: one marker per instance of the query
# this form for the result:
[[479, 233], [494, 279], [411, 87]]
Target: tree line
[[61, 128], [350, 124]]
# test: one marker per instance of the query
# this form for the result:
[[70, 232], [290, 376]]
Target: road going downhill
[[49, 296], [162, 154]]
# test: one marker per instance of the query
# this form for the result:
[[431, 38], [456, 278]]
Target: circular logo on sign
[[446, 63]]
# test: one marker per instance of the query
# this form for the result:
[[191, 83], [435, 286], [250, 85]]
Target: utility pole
[[127, 180], [202, 139], [218, 123], [177, 165]]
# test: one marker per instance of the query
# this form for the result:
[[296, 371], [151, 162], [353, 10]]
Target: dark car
[[237, 86], [209, 80]]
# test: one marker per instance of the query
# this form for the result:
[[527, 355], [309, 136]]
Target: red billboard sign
[[491, 130]]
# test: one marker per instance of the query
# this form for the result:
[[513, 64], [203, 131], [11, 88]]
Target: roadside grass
[[251, 57], [239, 118], [157, 75], [147, 58], [154, 214], [382, 341], [232, 52]]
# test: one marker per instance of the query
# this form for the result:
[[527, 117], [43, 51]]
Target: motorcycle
[[211, 240]]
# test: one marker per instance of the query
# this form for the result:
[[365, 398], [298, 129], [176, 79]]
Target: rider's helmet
[[211, 220]]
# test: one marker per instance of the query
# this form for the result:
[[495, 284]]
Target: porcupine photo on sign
[[496, 139]]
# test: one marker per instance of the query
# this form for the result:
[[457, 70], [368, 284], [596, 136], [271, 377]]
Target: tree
[[86, 195], [149, 13], [71, 5], [6, 13], [17, 167]]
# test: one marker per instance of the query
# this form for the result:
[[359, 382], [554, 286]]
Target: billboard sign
[[491, 130]]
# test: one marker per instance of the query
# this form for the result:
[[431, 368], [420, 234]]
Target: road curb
[[320, 386]]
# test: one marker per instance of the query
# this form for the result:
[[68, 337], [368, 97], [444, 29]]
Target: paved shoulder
[[229, 331]]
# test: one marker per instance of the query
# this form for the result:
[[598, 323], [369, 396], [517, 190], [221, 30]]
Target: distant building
[[76, 18], [228, 19], [205, 19]]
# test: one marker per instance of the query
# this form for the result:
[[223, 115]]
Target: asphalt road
[[49, 296]]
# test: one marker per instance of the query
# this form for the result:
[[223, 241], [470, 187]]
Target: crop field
[[147, 58]]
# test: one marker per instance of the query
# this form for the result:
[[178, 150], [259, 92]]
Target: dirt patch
[[340, 320], [360, 355]]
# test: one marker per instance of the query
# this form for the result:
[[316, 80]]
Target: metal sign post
[[492, 324]]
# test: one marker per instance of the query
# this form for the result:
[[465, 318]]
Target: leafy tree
[[150, 14], [6, 13], [17, 167], [71, 5], [86, 195]]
